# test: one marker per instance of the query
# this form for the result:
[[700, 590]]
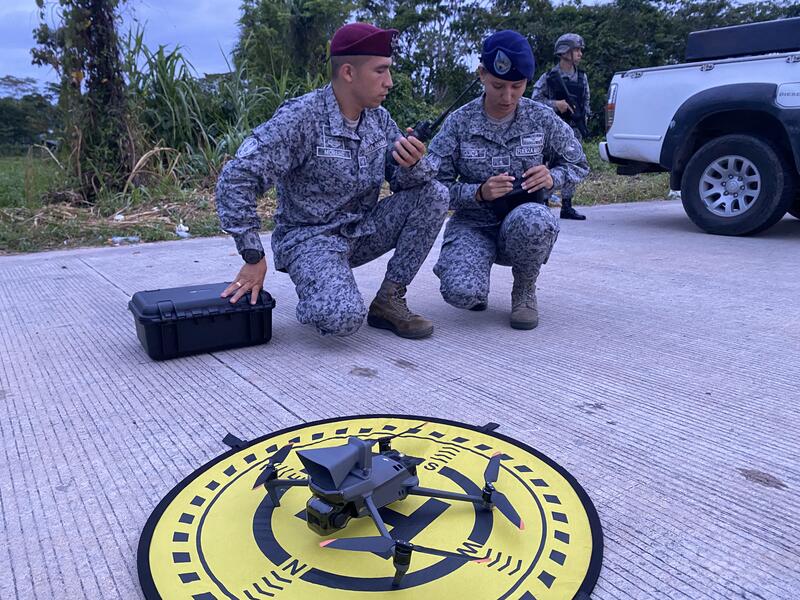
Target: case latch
[[166, 308]]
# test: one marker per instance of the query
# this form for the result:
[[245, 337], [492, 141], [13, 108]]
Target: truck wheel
[[736, 185]]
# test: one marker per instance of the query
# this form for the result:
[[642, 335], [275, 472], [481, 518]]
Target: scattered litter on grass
[[182, 231], [125, 239]]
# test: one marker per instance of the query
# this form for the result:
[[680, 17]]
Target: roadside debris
[[125, 239], [182, 231]]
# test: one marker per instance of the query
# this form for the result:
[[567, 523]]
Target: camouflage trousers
[[568, 189], [407, 221], [523, 241]]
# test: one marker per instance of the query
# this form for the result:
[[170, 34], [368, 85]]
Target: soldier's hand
[[250, 279], [537, 178], [563, 106], [408, 151], [496, 186]]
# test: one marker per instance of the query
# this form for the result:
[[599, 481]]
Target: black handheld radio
[[424, 130]]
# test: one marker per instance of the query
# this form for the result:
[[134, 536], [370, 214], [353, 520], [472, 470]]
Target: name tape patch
[[525, 151], [471, 153], [375, 146], [334, 153]]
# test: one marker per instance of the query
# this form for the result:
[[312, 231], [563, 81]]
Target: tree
[[17, 87], [434, 47], [288, 36], [83, 48], [25, 121]]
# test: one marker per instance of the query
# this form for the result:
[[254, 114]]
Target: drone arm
[[373, 512], [276, 484], [431, 493]]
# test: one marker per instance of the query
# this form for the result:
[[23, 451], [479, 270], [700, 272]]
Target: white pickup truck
[[725, 124]]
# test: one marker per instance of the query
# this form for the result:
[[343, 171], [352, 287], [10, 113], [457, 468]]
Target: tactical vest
[[576, 90]]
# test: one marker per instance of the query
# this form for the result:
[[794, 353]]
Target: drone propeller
[[270, 471], [493, 468], [492, 496], [504, 506], [380, 545], [384, 443]]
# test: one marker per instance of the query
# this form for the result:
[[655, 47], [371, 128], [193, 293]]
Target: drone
[[351, 481]]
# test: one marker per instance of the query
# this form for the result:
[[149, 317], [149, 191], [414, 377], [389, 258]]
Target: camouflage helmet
[[567, 42]]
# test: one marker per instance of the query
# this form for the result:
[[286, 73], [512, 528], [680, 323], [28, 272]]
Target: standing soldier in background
[[565, 88], [482, 149], [327, 154]]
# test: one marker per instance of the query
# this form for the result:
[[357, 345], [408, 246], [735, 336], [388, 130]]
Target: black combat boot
[[390, 311], [567, 212]]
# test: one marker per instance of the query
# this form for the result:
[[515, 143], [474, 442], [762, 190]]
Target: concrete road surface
[[664, 375]]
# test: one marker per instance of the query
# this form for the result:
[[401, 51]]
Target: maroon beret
[[362, 39]]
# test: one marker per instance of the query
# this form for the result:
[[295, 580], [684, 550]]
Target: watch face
[[252, 256]]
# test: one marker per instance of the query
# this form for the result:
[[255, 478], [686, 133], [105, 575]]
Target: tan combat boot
[[390, 311], [524, 310]]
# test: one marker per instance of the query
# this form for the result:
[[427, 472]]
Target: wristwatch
[[252, 256]]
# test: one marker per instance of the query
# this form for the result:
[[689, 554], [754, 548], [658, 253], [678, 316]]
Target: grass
[[25, 179], [33, 217], [604, 186]]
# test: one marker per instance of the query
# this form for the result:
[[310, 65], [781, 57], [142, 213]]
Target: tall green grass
[[203, 120]]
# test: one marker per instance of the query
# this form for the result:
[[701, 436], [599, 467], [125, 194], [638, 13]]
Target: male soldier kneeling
[[327, 155]]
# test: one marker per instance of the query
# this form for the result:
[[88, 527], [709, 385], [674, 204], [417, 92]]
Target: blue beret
[[508, 55]]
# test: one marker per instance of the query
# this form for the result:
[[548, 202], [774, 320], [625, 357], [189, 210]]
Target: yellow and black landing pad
[[215, 538]]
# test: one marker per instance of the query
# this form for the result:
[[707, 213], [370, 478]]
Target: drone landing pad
[[215, 538]]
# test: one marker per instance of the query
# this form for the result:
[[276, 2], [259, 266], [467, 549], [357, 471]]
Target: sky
[[205, 28]]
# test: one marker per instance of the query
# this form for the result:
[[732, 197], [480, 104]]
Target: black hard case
[[782, 35], [187, 320]]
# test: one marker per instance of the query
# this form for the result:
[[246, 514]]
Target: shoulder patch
[[574, 151], [248, 146]]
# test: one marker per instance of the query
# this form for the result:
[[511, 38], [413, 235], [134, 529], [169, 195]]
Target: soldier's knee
[[460, 297], [332, 312], [532, 218], [456, 289], [342, 322]]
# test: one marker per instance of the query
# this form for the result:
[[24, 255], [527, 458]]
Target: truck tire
[[736, 185]]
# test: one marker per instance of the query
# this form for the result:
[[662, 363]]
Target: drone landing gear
[[269, 476], [276, 487], [401, 561]]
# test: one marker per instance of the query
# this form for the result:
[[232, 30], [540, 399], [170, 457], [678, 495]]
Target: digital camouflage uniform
[[470, 148], [328, 178], [541, 93]]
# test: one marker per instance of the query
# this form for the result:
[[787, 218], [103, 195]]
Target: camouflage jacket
[[541, 92], [327, 176], [470, 148]]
